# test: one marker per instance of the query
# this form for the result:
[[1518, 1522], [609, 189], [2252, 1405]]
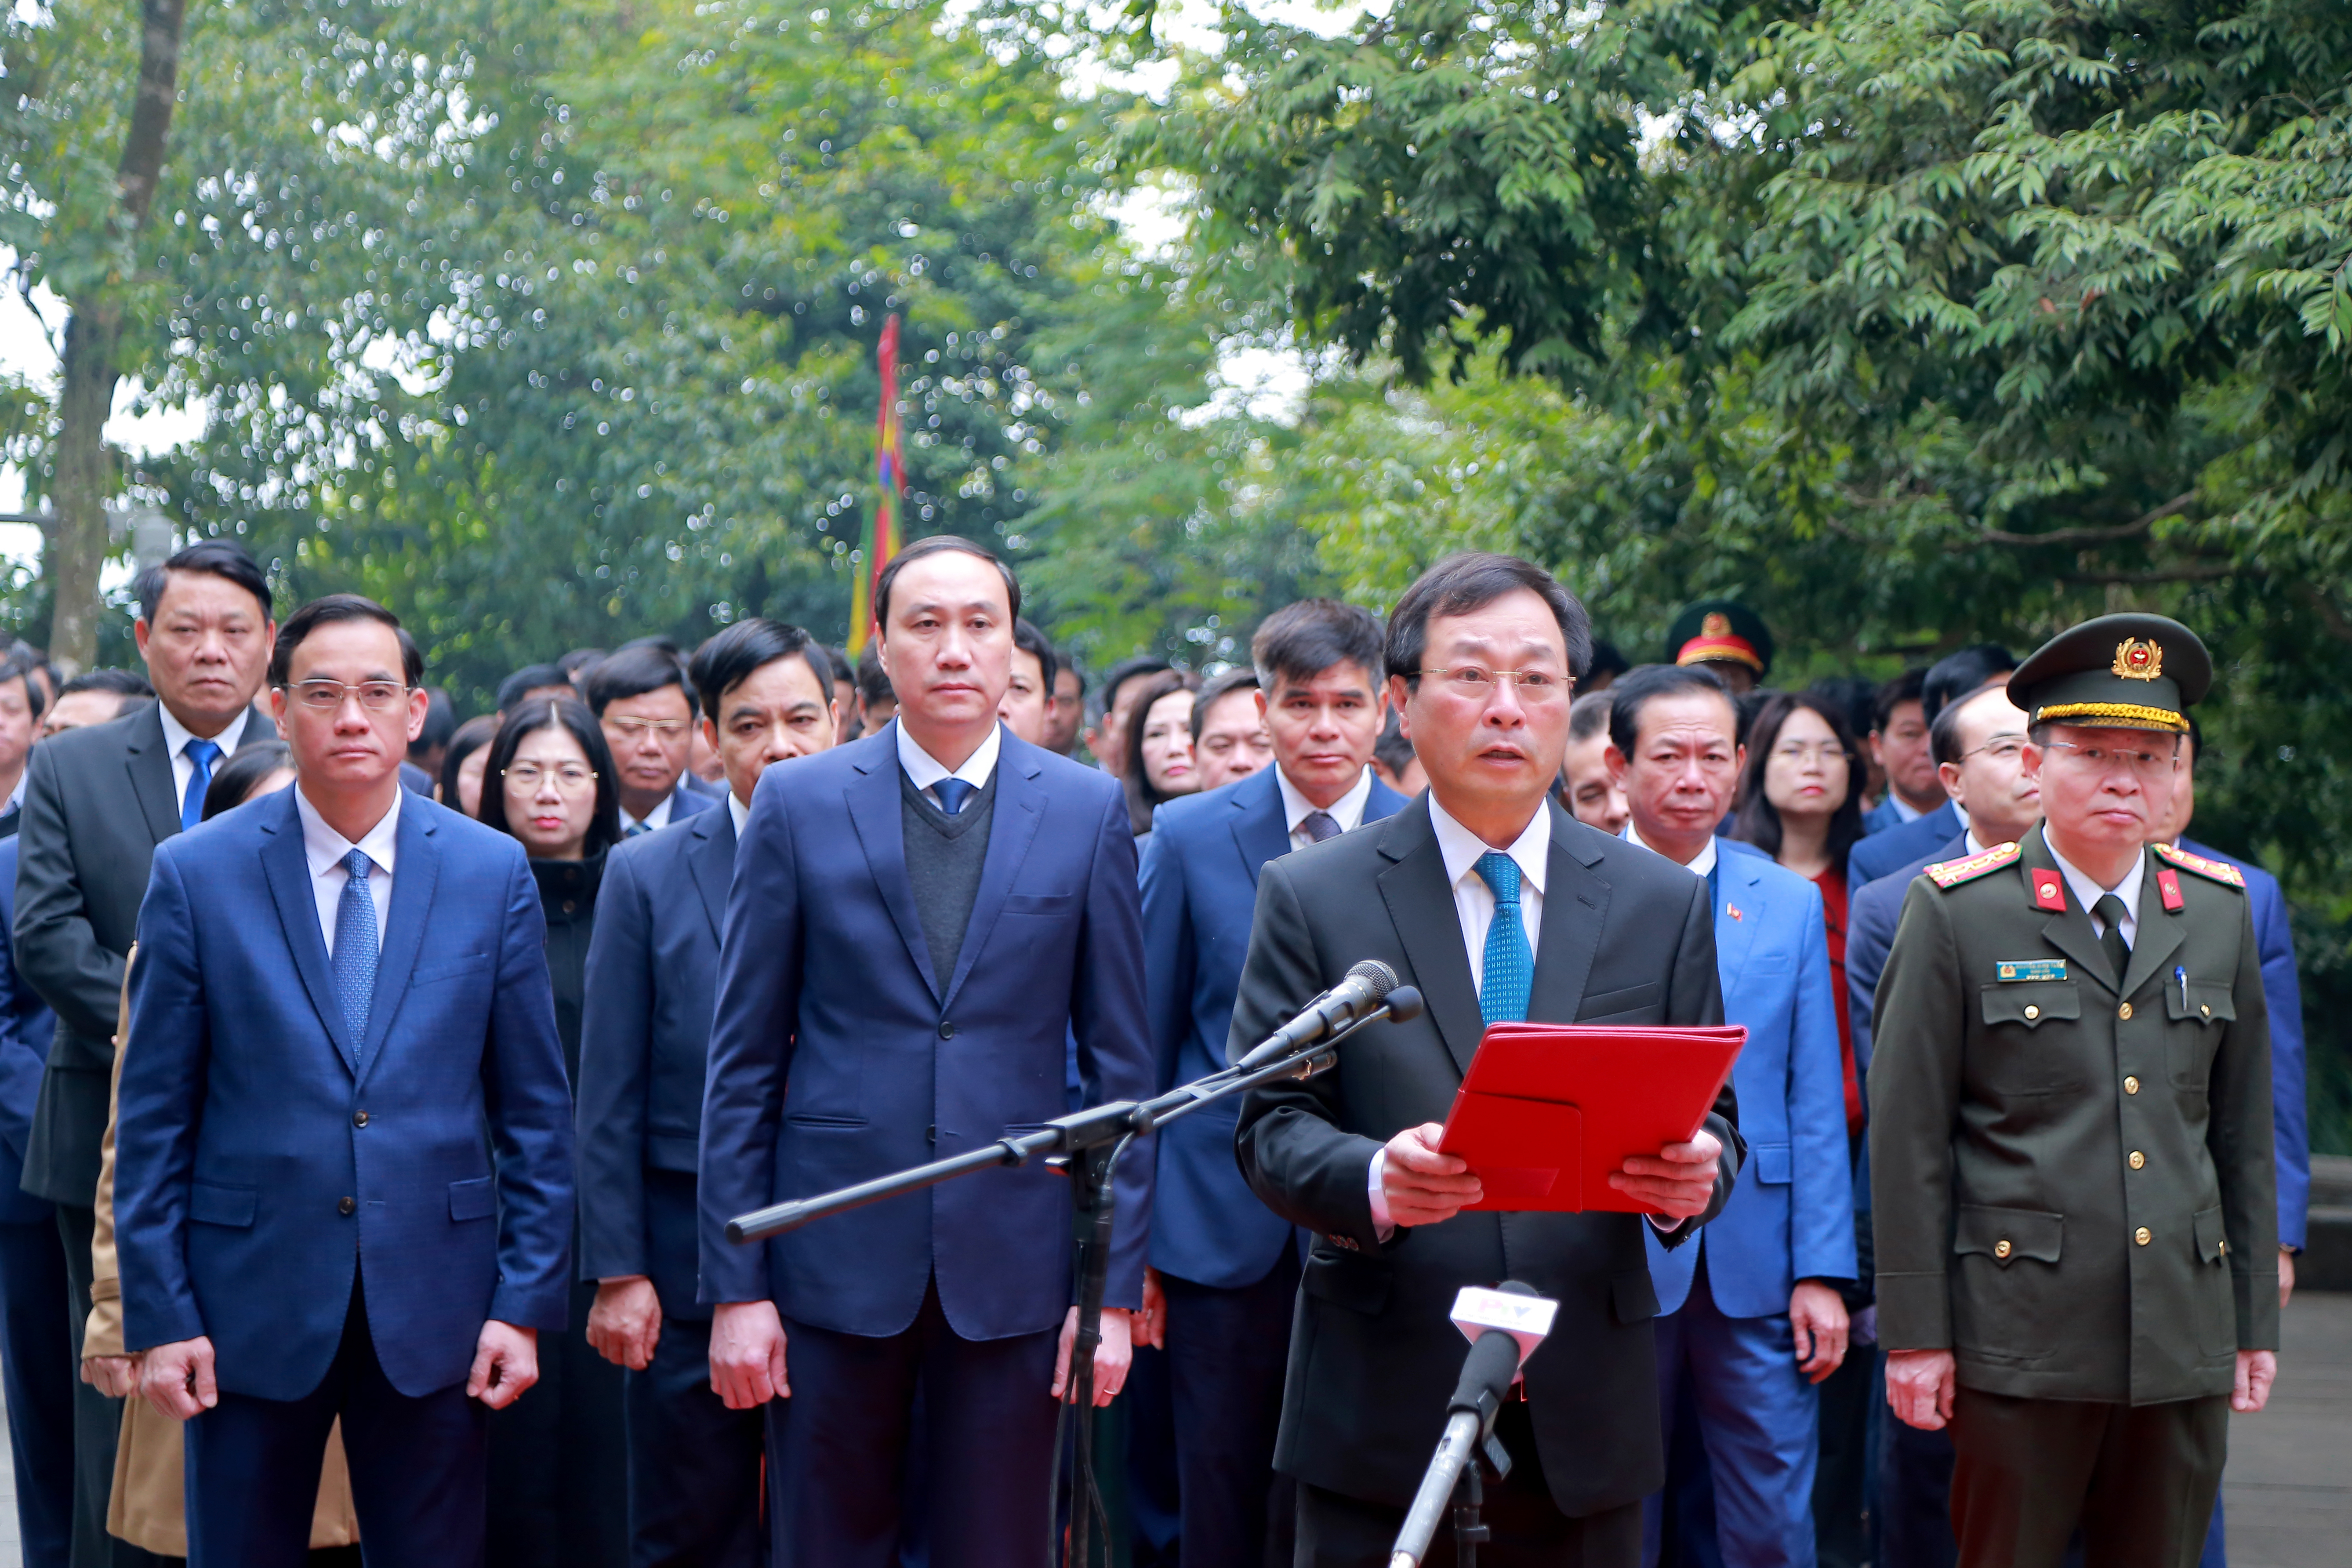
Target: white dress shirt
[[1474, 902], [1904, 810], [176, 737], [657, 817], [926, 770], [739, 813], [324, 849], [16, 795], [1348, 811], [1700, 865], [2088, 892]]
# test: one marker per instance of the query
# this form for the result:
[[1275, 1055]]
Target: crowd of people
[[375, 1085]]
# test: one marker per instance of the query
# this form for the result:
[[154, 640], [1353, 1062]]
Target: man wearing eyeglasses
[[639, 695], [2071, 1136]]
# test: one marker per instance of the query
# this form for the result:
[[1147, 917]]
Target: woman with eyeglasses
[[558, 1461]]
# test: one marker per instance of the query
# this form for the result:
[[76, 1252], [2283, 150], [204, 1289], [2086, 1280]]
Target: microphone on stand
[[1504, 1327], [1367, 986]]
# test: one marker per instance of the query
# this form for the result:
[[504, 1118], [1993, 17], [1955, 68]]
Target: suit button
[[359, 1118], [2141, 1235], [2031, 1012], [2205, 1009], [2124, 1012], [2137, 1160], [2131, 1086], [347, 1206], [947, 1028], [2001, 1248]]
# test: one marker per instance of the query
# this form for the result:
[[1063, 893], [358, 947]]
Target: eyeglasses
[[1471, 680], [326, 696], [2001, 749], [638, 729], [570, 778], [1812, 752], [2146, 765]]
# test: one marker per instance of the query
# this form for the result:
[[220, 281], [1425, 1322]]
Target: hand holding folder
[[1547, 1112]]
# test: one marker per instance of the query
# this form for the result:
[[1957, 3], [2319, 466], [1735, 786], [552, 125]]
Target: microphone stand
[[1084, 1146]]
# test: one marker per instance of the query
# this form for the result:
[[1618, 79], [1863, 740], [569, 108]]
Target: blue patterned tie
[[201, 755], [355, 946], [952, 794], [1510, 968]]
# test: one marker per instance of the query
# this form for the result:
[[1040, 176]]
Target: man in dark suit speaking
[[1499, 906]]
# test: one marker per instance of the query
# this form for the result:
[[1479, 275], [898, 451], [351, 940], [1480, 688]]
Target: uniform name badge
[[2012, 969]]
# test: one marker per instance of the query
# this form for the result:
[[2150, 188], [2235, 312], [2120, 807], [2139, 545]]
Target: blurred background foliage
[[1911, 323]]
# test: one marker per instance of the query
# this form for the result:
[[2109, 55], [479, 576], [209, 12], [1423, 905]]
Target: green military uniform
[[2070, 1167]]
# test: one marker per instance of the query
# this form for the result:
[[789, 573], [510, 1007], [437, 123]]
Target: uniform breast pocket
[[2016, 1055], [2194, 1018]]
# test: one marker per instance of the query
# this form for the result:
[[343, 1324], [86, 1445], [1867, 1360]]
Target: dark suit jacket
[[1200, 885], [27, 1029], [844, 1049], [260, 1149], [653, 982], [97, 802], [1882, 853], [1873, 911], [1627, 938]]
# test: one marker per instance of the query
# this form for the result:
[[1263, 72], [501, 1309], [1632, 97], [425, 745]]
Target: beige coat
[[148, 1508]]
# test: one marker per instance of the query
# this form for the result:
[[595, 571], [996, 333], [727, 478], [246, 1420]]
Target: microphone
[[1367, 986], [1504, 1327]]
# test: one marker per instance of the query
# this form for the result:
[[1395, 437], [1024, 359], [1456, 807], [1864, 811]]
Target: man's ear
[[1615, 762], [1396, 692], [140, 631]]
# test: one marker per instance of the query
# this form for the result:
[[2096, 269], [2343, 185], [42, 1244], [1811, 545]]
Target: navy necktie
[[952, 794], [1510, 963], [2110, 911], [356, 954], [634, 829], [201, 755], [1320, 826]]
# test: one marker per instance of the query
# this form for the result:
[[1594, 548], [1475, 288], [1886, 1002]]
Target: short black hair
[[578, 660], [1956, 675], [1944, 734], [440, 724], [329, 610], [1471, 581], [936, 544], [471, 737], [1031, 641], [1392, 751], [633, 671], [1242, 679], [1076, 674], [844, 668], [1588, 715], [530, 678], [1644, 684], [221, 558], [727, 658], [1126, 669], [1904, 688], [121, 682], [16, 667], [661, 640], [1607, 659], [573, 718], [873, 682], [1300, 641], [1851, 695], [246, 767]]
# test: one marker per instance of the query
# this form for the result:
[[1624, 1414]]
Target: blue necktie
[[201, 755], [952, 794], [1510, 967], [355, 946], [634, 829]]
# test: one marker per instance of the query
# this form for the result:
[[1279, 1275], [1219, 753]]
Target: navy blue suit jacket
[[1882, 854], [240, 1135], [844, 1049], [1199, 894], [644, 1041], [27, 1028]]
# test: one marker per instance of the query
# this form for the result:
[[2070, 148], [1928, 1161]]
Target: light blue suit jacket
[[1791, 1215]]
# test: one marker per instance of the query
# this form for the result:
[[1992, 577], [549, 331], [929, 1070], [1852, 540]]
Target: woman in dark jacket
[[558, 1461]]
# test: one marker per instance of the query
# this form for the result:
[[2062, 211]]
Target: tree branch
[[2323, 604], [2081, 536], [2145, 579]]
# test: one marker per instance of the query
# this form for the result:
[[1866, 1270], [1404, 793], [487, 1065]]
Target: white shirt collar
[[1904, 810], [16, 795], [1959, 811], [736, 813], [1699, 866], [1972, 845], [2088, 892], [657, 817], [926, 770], [323, 848], [1348, 811], [177, 735], [1531, 849]]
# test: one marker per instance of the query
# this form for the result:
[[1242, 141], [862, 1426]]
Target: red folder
[[1548, 1112]]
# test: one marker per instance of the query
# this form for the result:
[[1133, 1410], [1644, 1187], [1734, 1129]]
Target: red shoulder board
[[2220, 871], [1952, 873]]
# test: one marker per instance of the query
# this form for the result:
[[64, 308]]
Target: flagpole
[[881, 537]]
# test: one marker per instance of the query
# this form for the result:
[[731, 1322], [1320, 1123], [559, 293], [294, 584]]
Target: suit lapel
[[2069, 931], [875, 812], [1421, 905], [1575, 906], [288, 872], [416, 868], [712, 861], [1735, 938], [2159, 933], [1011, 828], [149, 758], [1259, 832]]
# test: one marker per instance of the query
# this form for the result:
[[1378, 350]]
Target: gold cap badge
[[1716, 624], [2139, 660]]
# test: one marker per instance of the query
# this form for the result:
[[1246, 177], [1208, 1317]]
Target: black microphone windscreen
[[1404, 1004], [1488, 1369], [1376, 976]]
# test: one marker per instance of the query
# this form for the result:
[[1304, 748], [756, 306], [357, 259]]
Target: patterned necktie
[[2110, 911], [952, 794], [1510, 967], [201, 755], [1320, 826], [354, 958], [634, 829]]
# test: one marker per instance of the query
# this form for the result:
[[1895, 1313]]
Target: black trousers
[[37, 1352], [1227, 1350], [96, 1420], [694, 1465], [1528, 1529], [1840, 1492], [1914, 1507], [558, 1460], [2139, 1479]]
